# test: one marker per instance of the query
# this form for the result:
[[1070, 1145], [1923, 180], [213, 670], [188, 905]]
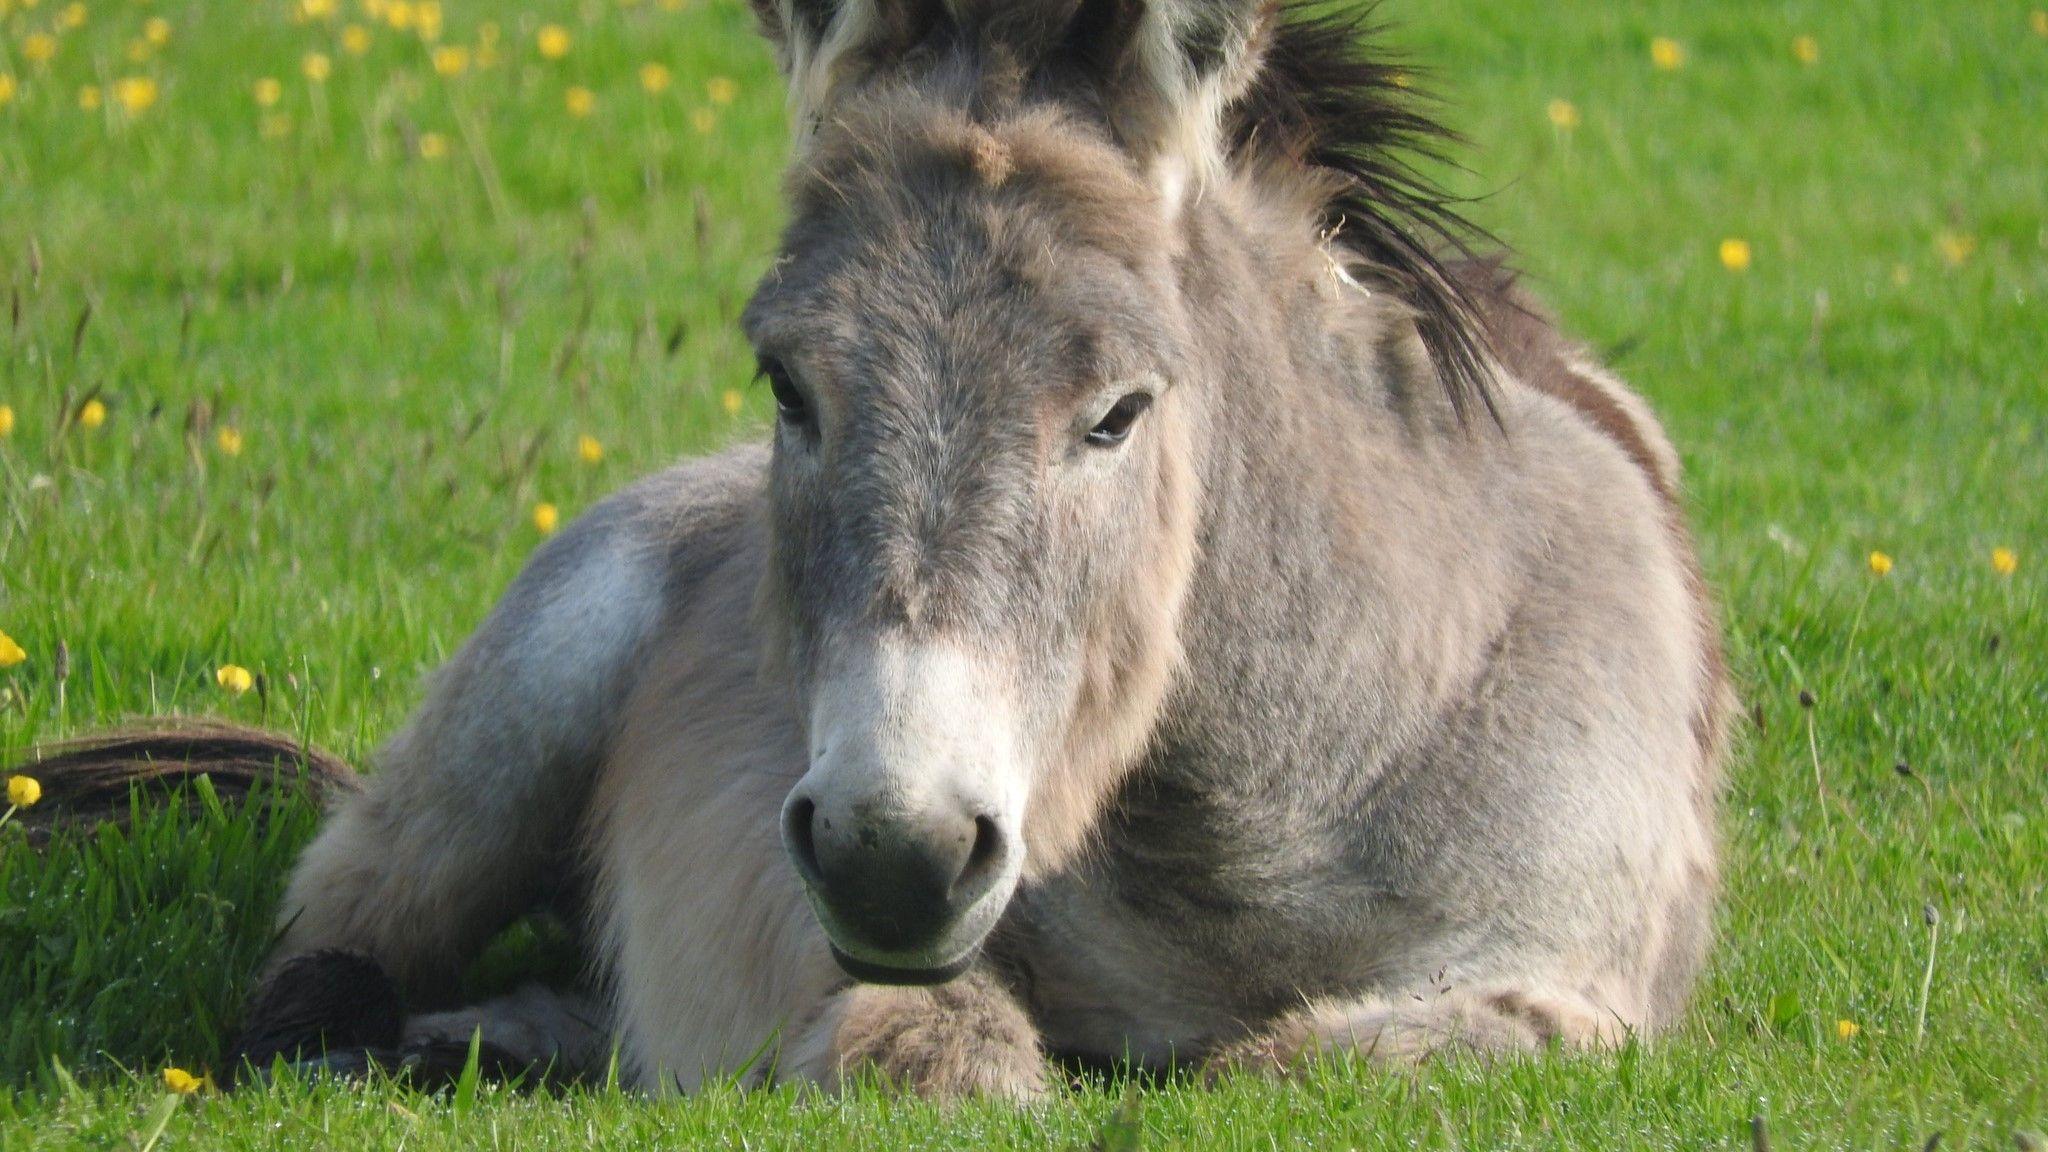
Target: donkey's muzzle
[[893, 889]]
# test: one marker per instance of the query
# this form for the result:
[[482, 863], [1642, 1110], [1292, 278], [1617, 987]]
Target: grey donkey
[[1186, 613]]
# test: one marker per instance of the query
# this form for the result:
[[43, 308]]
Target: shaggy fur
[[1126, 577]]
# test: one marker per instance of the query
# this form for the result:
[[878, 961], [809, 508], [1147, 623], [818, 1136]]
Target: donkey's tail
[[91, 780]]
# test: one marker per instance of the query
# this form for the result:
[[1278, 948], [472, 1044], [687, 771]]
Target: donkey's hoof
[[331, 1002], [953, 1042]]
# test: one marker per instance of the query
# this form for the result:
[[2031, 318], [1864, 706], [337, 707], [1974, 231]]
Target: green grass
[[411, 347]]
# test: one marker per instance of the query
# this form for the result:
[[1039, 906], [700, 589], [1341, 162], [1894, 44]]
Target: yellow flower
[[24, 791], [2004, 561], [1847, 1029], [546, 517], [89, 98], [355, 39], [1564, 115], [8, 88], [553, 41], [11, 653], [137, 94], [654, 77], [157, 31], [38, 47], [317, 67], [1806, 49], [73, 16], [2039, 21], [139, 51], [234, 678], [451, 60], [268, 91], [703, 120], [6, 421], [180, 1081], [1956, 248], [580, 101], [317, 9], [733, 402], [1880, 564], [93, 414], [721, 90], [401, 15], [230, 440], [1667, 54], [433, 146], [430, 21], [589, 450], [1735, 255]]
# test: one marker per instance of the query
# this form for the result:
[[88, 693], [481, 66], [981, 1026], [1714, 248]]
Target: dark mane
[[1326, 102]]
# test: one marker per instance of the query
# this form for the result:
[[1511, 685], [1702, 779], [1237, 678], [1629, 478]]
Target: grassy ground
[[342, 337]]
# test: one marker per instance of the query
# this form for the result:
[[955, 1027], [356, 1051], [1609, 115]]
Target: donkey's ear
[[1167, 71], [820, 43]]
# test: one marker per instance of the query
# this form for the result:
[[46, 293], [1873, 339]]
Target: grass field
[[309, 312]]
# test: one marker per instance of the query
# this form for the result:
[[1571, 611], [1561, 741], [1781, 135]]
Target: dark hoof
[[331, 1009]]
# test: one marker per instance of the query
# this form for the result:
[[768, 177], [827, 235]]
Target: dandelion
[[1564, 115], [229, 439], [733, 402], [267, 92], [8, 87], [401, 16], [136, 94], [89, 98], [704, 120], [317, 67], [355, 40], [1806, 50], [553, 41], [1735, 254], [546, 517], [24, 791], [654, 78], [11, 653], [73, 16], [721, 89], [38, 47], [317, 9], [1847, 1029], [2039, 21], [579, 101], [157, 31], [451, 60], [1880, 564], [1956, 248], [2004, 561], [589, 450], [430, 21], [6, 421], [93, 414], [180, 1081], [234, 678], [1667, 54], [433, 146]]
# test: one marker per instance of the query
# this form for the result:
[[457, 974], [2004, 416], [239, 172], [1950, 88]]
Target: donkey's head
[[985, 482]]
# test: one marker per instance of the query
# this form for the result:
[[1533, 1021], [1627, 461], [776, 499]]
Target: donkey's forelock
[[1288, 95]]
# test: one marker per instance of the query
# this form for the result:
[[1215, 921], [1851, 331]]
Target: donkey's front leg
[[1395, 1030], [966, 1038]]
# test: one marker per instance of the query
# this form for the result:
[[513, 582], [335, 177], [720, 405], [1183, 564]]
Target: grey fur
[[1342, 722]]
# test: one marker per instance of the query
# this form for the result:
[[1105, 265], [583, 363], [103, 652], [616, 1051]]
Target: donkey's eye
[[1115, 426], [789, 400]]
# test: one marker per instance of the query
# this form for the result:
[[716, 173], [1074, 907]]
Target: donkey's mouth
[[868, 972]]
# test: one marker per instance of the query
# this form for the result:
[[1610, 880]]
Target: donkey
[[1187, 613]]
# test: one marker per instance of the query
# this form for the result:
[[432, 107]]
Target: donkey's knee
[[1499, 1019], [969, 1038]]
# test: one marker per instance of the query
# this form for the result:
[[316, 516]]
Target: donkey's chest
[[1162, 947]]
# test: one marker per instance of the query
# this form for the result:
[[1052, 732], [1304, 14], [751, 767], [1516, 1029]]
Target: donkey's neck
[[1352, 570]]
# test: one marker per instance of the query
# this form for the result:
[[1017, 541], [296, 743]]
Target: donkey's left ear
[[1167, 71]]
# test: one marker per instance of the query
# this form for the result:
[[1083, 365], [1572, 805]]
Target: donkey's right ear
[[822, 43]]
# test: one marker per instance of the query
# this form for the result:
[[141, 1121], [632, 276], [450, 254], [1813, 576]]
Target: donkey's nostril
[[797, 818], [984, 861]]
